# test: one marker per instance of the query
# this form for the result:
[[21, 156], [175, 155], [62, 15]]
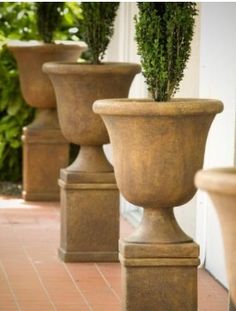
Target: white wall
[[217, 80]]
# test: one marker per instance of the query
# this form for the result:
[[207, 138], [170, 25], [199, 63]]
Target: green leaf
[[14, 107], [15, 144]]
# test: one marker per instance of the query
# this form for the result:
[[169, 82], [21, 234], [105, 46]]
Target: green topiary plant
[[48, 17], [164, 32], [97, 27]]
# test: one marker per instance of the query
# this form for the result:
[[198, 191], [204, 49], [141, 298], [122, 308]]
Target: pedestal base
[[45, 152], [89, 217], [232, 306], [159, 277]]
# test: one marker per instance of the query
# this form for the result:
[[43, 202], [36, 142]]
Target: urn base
[[89, 217], [95, 256], [159, 277], [45, 152], [232, 306]]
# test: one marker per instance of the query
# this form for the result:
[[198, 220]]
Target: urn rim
[[148, 107], [86, 68], [18, 45], [217, 180]]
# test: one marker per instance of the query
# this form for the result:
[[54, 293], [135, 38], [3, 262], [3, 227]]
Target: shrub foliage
[[48, 17], [96, 27], [164, 32]]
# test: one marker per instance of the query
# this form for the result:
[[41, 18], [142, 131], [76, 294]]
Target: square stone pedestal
[[45, 152], [159, 277], [232, 306], [89, 217]]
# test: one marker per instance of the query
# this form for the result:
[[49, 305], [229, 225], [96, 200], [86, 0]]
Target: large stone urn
[[221, 186], [157, 148], [45, 150], [89, 194]]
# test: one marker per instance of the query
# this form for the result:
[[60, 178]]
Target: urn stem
[[46, 118], [91, 159], [158, 226]]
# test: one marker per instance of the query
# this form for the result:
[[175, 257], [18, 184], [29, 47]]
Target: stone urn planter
[[220, 184], [89, 195], [45, 150], [157, 148]]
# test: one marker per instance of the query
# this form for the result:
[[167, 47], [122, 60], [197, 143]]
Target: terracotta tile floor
[[32, 278]]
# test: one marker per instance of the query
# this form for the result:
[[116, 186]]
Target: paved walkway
[[32, 278]]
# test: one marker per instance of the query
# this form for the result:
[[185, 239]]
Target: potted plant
[[220, 183], [43, 138], [89, 195], [157, 147]]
